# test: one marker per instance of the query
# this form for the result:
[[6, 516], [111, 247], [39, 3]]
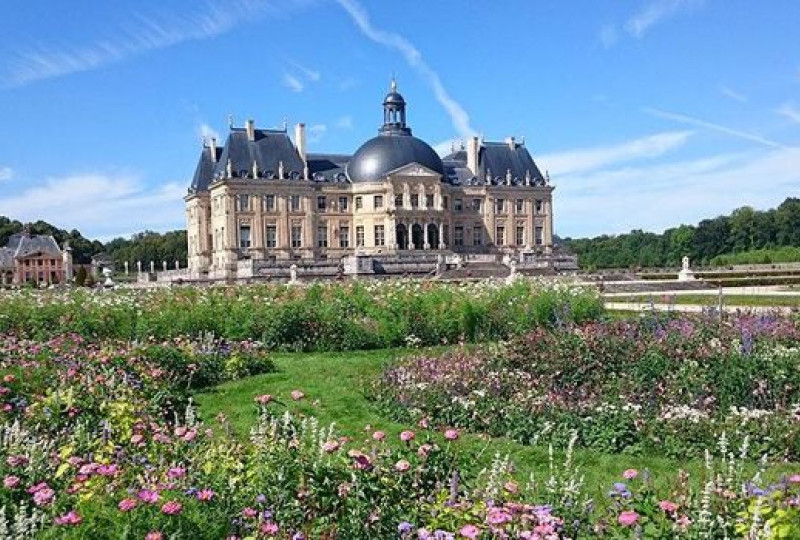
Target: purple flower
[[405, 528]]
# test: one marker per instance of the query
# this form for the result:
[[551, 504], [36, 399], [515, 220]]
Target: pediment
[[414, 169]]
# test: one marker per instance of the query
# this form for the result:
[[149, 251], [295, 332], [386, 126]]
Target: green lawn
[[333, 384]]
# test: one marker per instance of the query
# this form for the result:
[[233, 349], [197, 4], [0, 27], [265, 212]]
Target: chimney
[[511, 144], [251, 130], [212, 149], [300, 140], [472, 154]]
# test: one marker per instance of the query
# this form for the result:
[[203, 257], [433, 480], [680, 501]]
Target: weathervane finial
[[393, 86]]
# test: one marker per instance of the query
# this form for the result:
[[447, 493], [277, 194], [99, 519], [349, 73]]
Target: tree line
[[744, 230]]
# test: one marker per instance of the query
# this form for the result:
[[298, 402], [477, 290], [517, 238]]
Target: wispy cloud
[[458, 115], [621, 199], [447, 146], [147, 32], [345, 122], [689, 120], [205, 131], [316, 132], [733, 94], [654, 12], [589, 159], [121, 204], [292, 83], [788, 110], [6, 173], [309, 73]]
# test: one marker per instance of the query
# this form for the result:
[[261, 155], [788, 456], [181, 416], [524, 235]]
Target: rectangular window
[[445, 202], [520, 235], [380, 239], [322, 235], [359, 203], [344, 236], [415, 201], [244, 203], [539, 236], [297, 236], [269, 203], [446, 234], [272, 236], [244, 236], [343, 204], [477, 204], [429, 201], [458, 236], [398, 201], [499, 206], [322, 203], [500, 236], [294, 203], [539, 206], [360, 236], [519, 207], [378, 202], [477, 235], [458, 205]]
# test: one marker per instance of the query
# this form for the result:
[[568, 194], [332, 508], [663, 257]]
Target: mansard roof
[[497, 159], [24, 245], [6, 258]]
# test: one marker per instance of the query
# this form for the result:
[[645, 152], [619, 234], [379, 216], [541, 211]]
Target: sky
[[646, 113]]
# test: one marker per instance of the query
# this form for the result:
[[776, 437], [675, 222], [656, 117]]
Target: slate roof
[[6, 258], [496, 158], [26, 245]]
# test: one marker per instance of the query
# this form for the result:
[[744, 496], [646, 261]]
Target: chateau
[[262, 202]]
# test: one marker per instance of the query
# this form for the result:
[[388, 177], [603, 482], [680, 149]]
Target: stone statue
[[293, 274], [508, 177], [686, 263], [152, 267], [139, 266], [126, 267], [164, 265], [229, 169], [108, 283], [686, 273], [280, 170]]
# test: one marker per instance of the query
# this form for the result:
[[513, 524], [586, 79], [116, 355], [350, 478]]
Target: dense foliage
[[759, 256], [656, 386], [744, 230], [93, 447], [319, 317]]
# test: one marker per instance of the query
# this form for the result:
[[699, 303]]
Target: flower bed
[[319, 317], [659, 386], [94, 446]]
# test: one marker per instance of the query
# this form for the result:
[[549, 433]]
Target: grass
[[713, 299], [333, 384]]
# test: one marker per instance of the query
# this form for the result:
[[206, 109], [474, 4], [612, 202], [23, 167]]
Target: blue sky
[[647, 113]]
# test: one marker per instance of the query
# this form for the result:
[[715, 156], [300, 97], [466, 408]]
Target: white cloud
[[733, 94], [118, 204], [205, 132], [345, 122], [458, 116], [588, 159], [654, 197], [310, 74], [292, 83], [654, 12], [447, 146], [316, 132], [608, 36], [788, 110], [684, 119], [6, 173], [146, 33]]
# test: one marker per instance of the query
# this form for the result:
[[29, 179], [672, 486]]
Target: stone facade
[[263, 198], [34, 259]]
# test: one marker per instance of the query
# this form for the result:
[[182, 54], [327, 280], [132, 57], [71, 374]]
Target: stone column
[[442, 245], [164, 265], [548, 226], [529, 224], [126, 267], [139, 266], [152, 267]]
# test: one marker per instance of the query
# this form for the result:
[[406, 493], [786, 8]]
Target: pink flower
[[269, 528], [10, 482], [402, 465], [171, 508], [126, 505], [263, 399], [451, 434], [297, 395], [249, 512], [70, 518], [148, 496], [378, 435], [176, 472], [683, 522], [44, 497], [668, 506], [406, 436], [630, 474], [498, 516], [190, 435], [470, 531], [180, 431], [154, 535], [511, 487], [137, 438], [108, 470], [205, 495], [794, 479], [330, 447], [628, 518], [424, 450]]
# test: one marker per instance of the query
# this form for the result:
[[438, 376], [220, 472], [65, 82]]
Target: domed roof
[[388, 152], [394, 98]]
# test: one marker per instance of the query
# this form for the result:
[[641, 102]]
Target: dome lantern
[[394, 112]]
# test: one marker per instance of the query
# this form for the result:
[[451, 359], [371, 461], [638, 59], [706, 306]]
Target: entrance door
[[402, 236], [418, 236]]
